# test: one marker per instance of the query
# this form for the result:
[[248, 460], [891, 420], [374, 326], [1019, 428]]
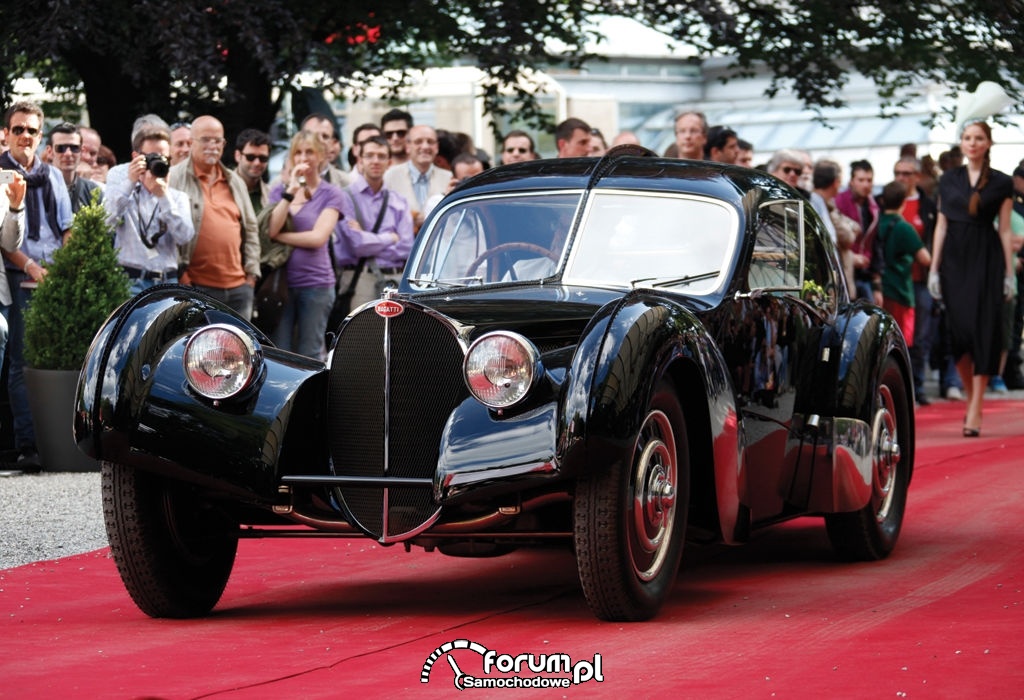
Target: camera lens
[[157, 164]]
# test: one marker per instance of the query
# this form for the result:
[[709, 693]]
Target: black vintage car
[[617, 355]]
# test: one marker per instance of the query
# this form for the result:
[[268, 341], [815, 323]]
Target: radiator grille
[[397, 434]]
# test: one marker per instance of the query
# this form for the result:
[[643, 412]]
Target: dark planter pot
[[51, 396]]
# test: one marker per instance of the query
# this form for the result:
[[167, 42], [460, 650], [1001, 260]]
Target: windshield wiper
[[675, 281], [447, 284]]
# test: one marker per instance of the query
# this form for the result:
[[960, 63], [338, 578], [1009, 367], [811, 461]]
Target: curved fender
[[868, 338], [613, 376], [134, 406]]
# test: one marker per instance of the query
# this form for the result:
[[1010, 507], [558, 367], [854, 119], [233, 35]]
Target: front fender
[[134, 406], [613, 377]]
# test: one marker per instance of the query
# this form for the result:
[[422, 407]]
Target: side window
[[777, 262], [819, 286]]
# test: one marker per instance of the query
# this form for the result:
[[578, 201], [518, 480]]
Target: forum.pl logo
[[519, 671]]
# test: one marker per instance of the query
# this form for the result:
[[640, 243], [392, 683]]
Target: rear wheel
[[174, 551], [630, 519], [871, 532]]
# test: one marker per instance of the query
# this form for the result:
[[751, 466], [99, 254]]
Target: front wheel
[[871, 533], [174, 551], [630, 518]]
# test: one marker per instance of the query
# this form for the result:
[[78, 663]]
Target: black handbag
[[270, 299], [342, 305], [271, 295]]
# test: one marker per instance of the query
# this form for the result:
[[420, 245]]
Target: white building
[[647, 78]]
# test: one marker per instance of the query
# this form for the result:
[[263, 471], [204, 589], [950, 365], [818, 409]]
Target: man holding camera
[[150, 219], [223, 259]]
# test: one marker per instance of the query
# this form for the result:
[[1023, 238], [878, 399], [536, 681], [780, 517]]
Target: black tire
[[871, 533], [630, 519], [174, 551]]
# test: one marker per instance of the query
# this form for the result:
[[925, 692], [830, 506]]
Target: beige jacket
[[183, 177]]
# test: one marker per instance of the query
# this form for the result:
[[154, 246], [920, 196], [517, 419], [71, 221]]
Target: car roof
[[631, 167]]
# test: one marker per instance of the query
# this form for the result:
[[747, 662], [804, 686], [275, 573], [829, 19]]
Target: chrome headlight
[[500, 368], [220, 360]]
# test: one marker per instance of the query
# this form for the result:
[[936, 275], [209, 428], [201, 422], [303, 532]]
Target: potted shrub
[[83, 285]]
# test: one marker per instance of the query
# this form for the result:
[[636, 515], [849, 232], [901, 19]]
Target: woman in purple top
[[315, 207]]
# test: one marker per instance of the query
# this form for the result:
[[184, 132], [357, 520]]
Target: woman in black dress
[[972, 266]]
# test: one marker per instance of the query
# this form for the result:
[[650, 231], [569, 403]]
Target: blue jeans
[[24, 430], [238, 298], [304, 320]]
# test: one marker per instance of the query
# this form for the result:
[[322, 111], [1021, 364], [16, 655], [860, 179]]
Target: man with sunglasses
[[64, 151], [252, 153], [47, 222], [517, 147], [395, 126]]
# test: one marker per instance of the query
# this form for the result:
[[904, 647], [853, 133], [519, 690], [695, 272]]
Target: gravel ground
[[49, 515]]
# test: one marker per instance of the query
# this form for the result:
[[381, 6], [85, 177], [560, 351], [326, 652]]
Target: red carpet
[[779, 617]]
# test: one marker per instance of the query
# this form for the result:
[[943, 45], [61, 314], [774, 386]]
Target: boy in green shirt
[[901, 247]]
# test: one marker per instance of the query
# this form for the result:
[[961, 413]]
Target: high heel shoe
[[972, 432]]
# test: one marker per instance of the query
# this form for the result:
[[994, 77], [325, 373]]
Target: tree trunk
[[114, 101]]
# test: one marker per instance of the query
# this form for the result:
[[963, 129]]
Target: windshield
[[625, 239]]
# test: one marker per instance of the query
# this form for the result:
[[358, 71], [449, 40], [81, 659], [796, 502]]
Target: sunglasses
[[19, 130], [904, 173], [517, 150], [400, 133], [65, 147], [255, 156], [792, 171]]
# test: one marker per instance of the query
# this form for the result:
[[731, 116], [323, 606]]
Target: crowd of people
[[328, 223], [940, 246]]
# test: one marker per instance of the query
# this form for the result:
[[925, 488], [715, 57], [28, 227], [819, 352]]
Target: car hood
[[551, 315], [550, 310]]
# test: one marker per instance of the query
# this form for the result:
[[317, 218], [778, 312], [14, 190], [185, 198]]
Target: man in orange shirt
[[223, 259]]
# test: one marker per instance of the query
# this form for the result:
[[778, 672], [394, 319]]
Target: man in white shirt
[[150, 218]]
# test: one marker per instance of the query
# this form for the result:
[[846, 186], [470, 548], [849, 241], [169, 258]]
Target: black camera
[[157, 164]]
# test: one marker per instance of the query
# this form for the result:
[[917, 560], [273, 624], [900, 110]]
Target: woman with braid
[[972, 267]]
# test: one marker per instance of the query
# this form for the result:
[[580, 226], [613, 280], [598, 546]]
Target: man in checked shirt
[[150, 218]]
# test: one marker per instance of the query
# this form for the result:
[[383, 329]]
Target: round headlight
[[220, 361], [500, 368]]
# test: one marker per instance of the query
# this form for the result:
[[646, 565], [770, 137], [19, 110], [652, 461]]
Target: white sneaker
[[954, 394]]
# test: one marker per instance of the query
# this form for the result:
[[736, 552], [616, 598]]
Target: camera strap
[[145, 226]]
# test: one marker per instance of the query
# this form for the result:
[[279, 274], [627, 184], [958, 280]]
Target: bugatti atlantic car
[[618, 356]]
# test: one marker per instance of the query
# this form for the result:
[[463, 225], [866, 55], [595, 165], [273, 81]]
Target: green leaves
[[229, 58], [83, 286]]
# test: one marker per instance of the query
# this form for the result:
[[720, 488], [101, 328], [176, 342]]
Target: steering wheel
[[508, 247]]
